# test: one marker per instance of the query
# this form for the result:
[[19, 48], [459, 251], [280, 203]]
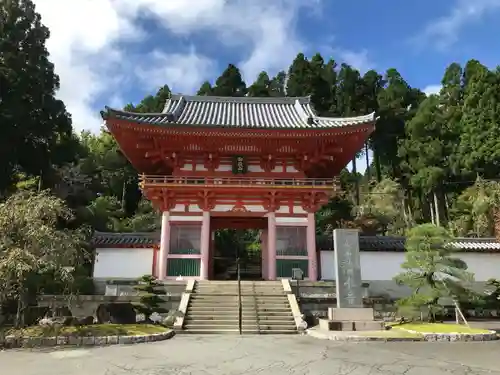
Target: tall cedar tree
[[261, 87], [230, 83], [479, 149], [206, 89], [35, 125]]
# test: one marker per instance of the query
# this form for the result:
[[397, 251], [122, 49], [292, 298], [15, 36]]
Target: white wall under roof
[[122, 263], [384, 265]]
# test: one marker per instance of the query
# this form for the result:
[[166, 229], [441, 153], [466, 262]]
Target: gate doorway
[[236, 238]]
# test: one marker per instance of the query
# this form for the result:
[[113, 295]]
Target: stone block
[[125, 340], [139, 339], [49, 341], [112, 340], [75, 340], [331, 325], [90, 340], [369, 326], [101, 340], [62, 340], [350, 314], [12, 341], [155, 337]]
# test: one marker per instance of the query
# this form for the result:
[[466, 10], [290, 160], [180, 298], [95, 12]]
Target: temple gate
[[240, 163]]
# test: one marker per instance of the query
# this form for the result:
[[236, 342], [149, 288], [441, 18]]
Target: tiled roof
[[389, 243], [366, 243], [105, 239], [242, 112]]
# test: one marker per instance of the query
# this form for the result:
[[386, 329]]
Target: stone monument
[[350, 314]]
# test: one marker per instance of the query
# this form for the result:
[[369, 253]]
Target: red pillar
[[205, 245], [271, 246], [164, 245], [311, 248]]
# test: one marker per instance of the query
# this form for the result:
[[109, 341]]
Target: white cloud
[[444, 31], [89, 38], [357, 59], [432, 89], [182, 72]]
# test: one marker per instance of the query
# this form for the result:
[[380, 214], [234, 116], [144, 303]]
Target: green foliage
[[149, 290], [492, 298], [474, 209], [384, 204], [34, 240], [230, 83], [35, 125], [431, 271]]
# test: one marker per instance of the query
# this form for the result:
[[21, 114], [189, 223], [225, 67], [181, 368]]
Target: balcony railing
[[313, 183]]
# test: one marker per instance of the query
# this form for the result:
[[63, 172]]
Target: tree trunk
[[431, 210], [436, 208], [124, 192], [356, 181], [377, 165], [496, 223], [368, 171]]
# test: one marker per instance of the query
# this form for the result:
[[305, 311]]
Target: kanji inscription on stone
[[347, 268]]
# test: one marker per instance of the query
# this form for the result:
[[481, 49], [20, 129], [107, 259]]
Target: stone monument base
[[350, 319]]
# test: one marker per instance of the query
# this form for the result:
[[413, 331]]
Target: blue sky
[[111, 52]]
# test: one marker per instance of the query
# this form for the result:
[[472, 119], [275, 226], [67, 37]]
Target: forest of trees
[[435, 158]]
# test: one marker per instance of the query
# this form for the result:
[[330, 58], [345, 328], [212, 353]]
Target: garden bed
[[97, 334], [446, 332]]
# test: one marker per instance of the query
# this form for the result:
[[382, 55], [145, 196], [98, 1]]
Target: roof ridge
[[109, 110], [242, 99]]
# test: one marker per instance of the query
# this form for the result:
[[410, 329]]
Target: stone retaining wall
[[455, 337], [29, 342]]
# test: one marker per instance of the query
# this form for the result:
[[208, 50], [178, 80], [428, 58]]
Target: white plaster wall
[[194, 208], [186, 218], [291, 220], [178, 208], [122, 263], [383, 266], [299, 210], [255, 168]]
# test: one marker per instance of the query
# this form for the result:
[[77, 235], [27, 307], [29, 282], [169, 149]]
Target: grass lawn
[[439, 328], [92, 330]]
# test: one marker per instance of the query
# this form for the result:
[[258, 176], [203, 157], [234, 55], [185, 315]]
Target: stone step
[[218, 322], [246, 300], [232, 282], [207, 331], [234, 325], [243, 295], [234, 312], [235, 289], [243, 299]]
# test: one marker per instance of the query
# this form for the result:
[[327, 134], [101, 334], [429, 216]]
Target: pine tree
[[430, 270], [149, 297]]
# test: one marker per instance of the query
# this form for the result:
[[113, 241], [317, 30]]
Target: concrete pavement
[[265, 354]]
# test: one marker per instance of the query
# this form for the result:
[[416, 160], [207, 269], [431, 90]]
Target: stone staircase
[[213, 308]]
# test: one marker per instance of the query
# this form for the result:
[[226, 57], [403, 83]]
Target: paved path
[[263, 355]]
